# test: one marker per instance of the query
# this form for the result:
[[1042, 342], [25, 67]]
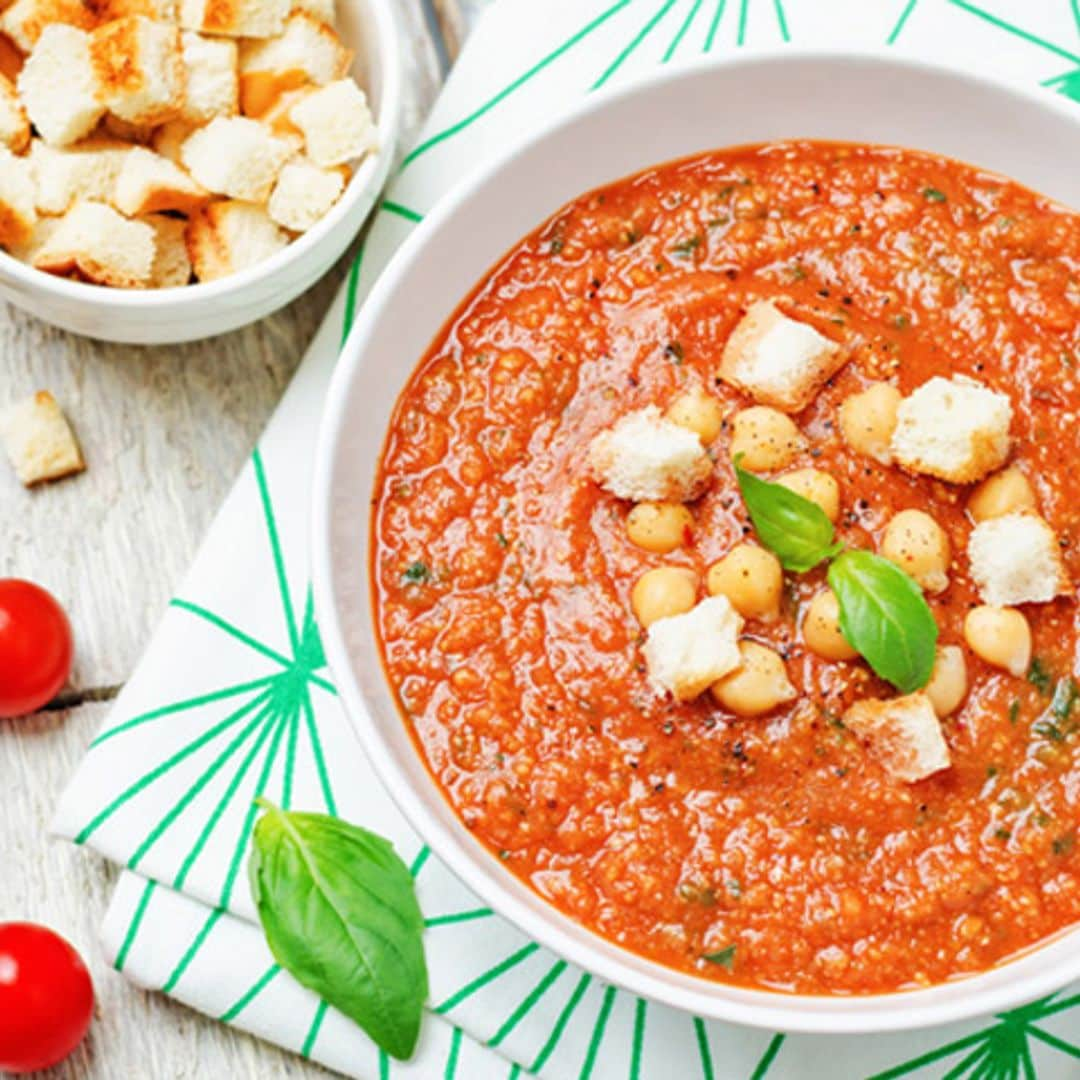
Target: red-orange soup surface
[[778, 846]]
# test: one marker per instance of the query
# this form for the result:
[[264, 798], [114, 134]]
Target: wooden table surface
[[165, 431]]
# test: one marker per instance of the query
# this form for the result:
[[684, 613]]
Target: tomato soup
[[771, 851]]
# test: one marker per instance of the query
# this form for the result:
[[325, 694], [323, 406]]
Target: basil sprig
[[795, 529], [883, 614], [339, 911]]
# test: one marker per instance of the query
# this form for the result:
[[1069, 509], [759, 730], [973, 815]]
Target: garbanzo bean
[[868, 420], [698, 412], [1001, 636], [1003, 493], [948, 684], [665, 591], [659, 527], [751, 578], [918, 545], [817, 486], [766, 438], [821, 628], [758, 686]]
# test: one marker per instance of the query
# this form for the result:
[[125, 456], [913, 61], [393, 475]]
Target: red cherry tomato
[[46, 998], [35, 647]]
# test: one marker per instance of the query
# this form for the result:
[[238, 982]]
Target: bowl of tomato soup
[[695, 542]]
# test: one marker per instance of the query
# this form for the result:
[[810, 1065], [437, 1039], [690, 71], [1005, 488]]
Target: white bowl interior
[[871, 99]]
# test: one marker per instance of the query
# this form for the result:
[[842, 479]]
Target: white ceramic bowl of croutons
[[160, 316]]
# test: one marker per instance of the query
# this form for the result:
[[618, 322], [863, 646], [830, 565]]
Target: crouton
[[59, 88], [11, 58], [85, 170], [43, 228], [39, 440], [212, 87], [955, 429], [14, 126], [277, 117], [323, 10], [113, 127], [226, 237], [25, 20], [140, 69], [303, 194], [166, 11], [778, 361], [686, 654], [307, 52], [1016, 559], [647, 458], [235, 156], [336, 123], [101, 246], [148, 182], [235, 18], [18, 214], [172, 265], [904, 734], [169, 138]]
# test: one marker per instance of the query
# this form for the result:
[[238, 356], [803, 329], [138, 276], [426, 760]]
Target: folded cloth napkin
[[233, 698]]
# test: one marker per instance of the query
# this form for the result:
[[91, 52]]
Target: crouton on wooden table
[[59, 87], [100, 245], [304, 193], [956, 429], [226, 237], [777, 360], [235, 156], [1016, 559], [686, 654], [235, 18], [139, 68], [39, 440], [903, 733], [18, 214], [336, 123]]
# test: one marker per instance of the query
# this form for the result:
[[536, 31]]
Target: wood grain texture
[[165, 431]]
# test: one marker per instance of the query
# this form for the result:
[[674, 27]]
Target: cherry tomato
[[35, 647], [46, 998]]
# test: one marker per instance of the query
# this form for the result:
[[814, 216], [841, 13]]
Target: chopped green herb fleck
[[504, 854], [901, 322], [716, 222], [797, 272], [1039, 677], [932, 194], [501, 540], [1065, 694], [696, 894], [556, 245], [674, 351], [1014, 710], [1042, 820], [724, 957], [687, 247], [1063, 844], [417, 573], [1002, 834], [734, 887], [991, 772]]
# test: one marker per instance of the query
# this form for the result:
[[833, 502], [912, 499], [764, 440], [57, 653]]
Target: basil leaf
[[725, 957], [884, 615], [795, 529], [340, 915]]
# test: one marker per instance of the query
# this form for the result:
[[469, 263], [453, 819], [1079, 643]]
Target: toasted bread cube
[[59, 88], [904, 734], [323, 10], [25, 20], [39, 235], [170, 137], [226, 237], [308, 51], [303, 194], [777, 360], [172, 264], [646, 457], [18, 214], [39, 441], [148, 183], [84, 170], [212, 84], [113, 127], [686, 654], [166, 11], [1016, 559], [101, 246], [955, 429], [11, 58], [336, 123], [235, 156], [14, 125], [140, 68], [277, 117], [235, 18]]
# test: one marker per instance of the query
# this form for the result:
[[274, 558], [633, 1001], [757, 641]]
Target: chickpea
[[751, 578], [868, 420], [918, 545], [758, 686], [698, 412], [766, 438], [948, 683], [1003, 493], [659, 527], [821, 628], [1001, 636], [665, 591], [817, 486]]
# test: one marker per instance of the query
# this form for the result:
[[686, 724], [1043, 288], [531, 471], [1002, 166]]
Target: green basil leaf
[[795, 529], [884, 615], [725, 957], [339, 911]]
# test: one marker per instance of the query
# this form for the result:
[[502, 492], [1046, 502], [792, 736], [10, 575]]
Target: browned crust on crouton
[[220, 16], [72, 12], [209, 256], [19, 140], [115, 54], [14, 228], [166, 198], [11, 59], [261, 90]]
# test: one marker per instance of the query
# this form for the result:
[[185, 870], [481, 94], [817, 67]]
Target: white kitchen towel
[[233, 697]]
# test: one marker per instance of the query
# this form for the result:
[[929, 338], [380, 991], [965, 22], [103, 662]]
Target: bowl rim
[[366, 181], [905, 1009]]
